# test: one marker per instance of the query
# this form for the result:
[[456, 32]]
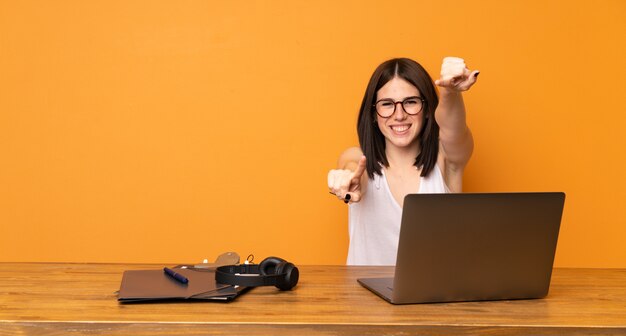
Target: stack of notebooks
[[155, 285]]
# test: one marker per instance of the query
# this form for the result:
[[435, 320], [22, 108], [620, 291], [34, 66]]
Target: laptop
[[473, 247]]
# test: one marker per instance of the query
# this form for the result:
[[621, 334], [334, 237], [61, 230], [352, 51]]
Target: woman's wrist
[[445, 92]]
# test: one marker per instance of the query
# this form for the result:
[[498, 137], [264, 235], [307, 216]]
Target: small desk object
[[77, 299]]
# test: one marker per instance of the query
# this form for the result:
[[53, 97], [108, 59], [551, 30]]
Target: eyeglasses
[[411, 105]]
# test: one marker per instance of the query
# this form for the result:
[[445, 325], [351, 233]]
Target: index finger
[[360, 169]]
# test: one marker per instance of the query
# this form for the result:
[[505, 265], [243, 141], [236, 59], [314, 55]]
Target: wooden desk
[[74, 299]]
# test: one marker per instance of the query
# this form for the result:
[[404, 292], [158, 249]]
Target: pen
[[179, 277]]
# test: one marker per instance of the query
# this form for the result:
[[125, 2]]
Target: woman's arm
[[455, 137]]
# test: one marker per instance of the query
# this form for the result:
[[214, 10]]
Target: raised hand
[[455, 75], [345, 183]]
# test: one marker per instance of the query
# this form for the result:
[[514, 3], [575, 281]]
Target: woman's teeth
[[400, 128]]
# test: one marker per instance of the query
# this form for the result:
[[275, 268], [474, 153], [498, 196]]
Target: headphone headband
[[272, 271], [244, 275]]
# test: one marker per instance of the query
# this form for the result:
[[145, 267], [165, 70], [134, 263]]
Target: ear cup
[[286, 272], [289, 275], [269, 264]]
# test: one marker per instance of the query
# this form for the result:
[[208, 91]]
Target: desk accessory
[[179, 277], [272, 271], [156, 285], [182, 282], [227, 258]]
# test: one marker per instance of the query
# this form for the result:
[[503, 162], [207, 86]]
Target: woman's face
[[400, 129]]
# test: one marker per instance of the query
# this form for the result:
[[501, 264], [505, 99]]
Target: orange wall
[[171, 131]]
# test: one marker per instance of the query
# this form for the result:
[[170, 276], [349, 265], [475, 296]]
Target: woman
[[411, 141]]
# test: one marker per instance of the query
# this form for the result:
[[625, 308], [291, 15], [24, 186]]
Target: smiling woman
[[422, 146]]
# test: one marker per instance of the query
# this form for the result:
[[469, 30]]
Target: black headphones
[[272, 271]]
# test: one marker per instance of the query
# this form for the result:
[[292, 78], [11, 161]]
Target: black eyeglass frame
[[395, 103]]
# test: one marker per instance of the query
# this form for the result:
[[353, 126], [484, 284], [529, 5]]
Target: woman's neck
[[402, 157]]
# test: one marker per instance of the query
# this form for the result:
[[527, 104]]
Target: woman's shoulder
[[353, 152]]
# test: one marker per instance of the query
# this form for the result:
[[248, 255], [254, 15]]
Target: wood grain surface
[[75, 299]]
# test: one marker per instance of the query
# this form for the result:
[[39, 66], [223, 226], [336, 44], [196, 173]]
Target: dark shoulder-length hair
[[371, 139]]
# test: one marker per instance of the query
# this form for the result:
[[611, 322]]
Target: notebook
[[154, 285], [473, 247]]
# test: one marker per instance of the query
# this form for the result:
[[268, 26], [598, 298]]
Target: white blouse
[[374, 222]]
